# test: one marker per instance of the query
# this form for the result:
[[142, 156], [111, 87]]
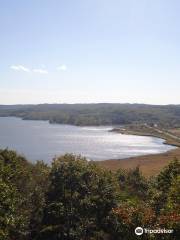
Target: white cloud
[[25, 69], [20, 68], [40, 70], [62, 67]]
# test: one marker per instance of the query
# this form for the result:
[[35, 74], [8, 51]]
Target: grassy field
[[149, 164]]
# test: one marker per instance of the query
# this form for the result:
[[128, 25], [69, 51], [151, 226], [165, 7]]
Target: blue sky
[[90, 51]]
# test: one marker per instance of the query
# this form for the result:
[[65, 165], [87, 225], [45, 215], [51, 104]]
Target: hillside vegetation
[[73, 199], [97, 114]]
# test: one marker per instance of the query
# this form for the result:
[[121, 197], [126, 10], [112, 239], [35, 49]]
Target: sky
[[81, 51]]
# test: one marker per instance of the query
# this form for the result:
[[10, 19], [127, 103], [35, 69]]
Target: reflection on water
[[41, 140]]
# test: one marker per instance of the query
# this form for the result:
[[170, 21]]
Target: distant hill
[[97, 114]]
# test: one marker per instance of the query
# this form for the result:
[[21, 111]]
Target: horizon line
[[88, 103]]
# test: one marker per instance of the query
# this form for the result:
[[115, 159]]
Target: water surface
[[39, 140]]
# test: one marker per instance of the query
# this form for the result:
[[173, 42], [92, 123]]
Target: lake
[[39, 140]]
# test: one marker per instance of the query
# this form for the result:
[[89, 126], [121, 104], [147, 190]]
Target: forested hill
[[97, 114]]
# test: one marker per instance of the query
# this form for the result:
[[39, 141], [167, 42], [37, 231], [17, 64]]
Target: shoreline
[[168, 138], [150, 164]]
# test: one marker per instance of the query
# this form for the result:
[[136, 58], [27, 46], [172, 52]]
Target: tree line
[[74, 199], [97, 114]]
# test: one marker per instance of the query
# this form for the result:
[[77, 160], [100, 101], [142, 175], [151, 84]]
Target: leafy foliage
[[133, 183], [163, 185], [75, 199], [79, 198], [19, 182]]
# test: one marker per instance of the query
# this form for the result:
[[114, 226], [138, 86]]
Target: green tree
[[162, 184], [39, 186], [22, 188], [8, 211], [13, 200], [79, 199], [133, 184], [173, 199]]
